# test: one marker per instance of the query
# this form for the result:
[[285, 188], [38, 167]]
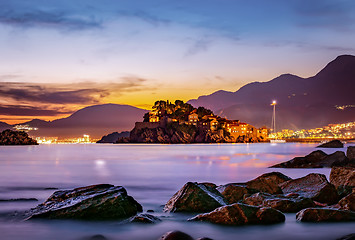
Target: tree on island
[[177, 110], [10, 137]]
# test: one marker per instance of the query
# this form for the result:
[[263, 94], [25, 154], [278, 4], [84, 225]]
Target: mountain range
[[327, 97], [302, 103], [94, 120]]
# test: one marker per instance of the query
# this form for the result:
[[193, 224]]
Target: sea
[[151, 173]]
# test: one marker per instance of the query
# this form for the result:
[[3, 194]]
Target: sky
[[59, 56]]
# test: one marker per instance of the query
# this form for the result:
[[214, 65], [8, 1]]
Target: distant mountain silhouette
[[302, 102], [95, 121], [4, 126]]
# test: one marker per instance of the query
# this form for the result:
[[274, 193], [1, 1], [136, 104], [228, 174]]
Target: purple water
[[151, 174]]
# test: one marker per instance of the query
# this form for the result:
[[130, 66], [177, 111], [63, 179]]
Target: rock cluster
[[10, 137], [264, 199], [319, 159]]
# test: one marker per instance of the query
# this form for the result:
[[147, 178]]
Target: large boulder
[[241, 214], [281, 203], [332, 144], [314, 186], [324, 215], [268, 182], [195, 197], [96, 202]]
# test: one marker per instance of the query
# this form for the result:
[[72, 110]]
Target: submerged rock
[[195, 197], [145, 218], [175, 235], [332, 144], [97, 202], [268, 182], [241, 214], [314, 186], [280, 203], [318, 159], [324, 215]]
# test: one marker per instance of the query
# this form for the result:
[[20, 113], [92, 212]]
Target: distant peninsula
[[10, 137], [180, 122]]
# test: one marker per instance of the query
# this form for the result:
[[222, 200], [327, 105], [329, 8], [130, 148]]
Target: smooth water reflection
[[151, 174]]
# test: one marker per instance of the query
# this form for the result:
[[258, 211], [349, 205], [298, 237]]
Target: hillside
[[4, 126], [302, 102], [95, 121]]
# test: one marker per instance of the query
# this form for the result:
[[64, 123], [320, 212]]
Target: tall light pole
[[273, 120]]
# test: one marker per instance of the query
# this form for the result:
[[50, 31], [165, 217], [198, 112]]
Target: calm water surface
[[151, 174]]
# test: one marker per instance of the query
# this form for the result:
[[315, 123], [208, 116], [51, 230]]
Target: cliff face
[[175, 133]]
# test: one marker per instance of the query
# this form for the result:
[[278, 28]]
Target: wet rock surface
[[195, 197], [314, 186], [348, 202], [332, 144], [281, 203], [343, 178], [96, 202], [324, 215], [145, 218], [234, 192], [241, 214], [268, 182]]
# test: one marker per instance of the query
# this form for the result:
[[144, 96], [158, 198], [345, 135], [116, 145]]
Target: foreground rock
[[96, 202], [10, 137], [235, 192], [145, 218], [332, 144], [281, 203], [314, 186], [317, 159], [195, 197], [268, 182], [324, 215], [175, 235], [241, 214]]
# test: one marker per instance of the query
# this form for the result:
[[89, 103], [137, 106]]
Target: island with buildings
[[180, 122]]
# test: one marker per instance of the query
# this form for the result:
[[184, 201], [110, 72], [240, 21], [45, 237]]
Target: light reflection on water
[[151, 174]]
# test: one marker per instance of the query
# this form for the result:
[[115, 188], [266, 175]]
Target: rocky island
[[180, 122], [10, 137]]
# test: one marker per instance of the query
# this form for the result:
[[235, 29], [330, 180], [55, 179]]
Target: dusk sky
[[59, 56]]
